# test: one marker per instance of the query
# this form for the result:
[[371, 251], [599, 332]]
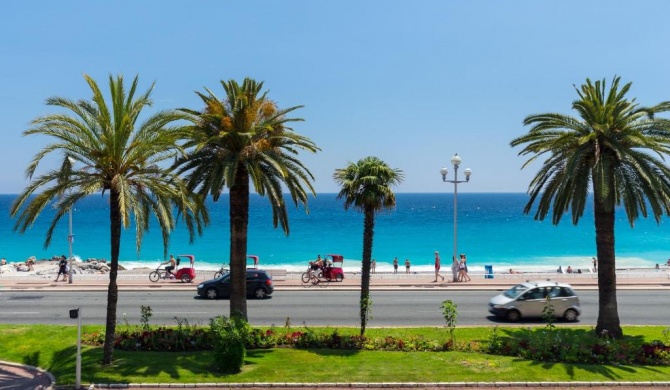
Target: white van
[[527, 300]]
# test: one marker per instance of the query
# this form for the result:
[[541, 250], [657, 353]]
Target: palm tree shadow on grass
[[32, 359]]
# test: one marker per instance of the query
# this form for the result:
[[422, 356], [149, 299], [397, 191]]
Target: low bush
[[549, 344], [571, 346], [229, 336]]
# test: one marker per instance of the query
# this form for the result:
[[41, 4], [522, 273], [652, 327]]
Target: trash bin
[[489, 272]]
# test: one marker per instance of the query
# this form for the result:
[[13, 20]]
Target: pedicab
[[333, 268], [185, 274]]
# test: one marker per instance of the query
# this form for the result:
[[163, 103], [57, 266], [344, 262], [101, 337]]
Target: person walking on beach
[[595, 265], [407, 266], [437, 267], [373, 266], [395, 265]]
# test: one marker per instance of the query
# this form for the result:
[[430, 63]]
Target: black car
[[259, 285]]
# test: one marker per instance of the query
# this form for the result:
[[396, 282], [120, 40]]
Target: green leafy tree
[[238, 140], [104, 149], [450, 312], [614, 149], [366, 186]]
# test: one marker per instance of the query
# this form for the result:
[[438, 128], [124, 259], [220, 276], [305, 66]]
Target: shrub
[[229, 337], [568, 346], [450, 312]]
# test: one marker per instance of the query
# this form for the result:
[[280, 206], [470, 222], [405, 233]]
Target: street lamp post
[[70, 241], [456, 162], [70, 235]]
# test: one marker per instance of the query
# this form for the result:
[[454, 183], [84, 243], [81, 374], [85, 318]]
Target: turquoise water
[[492, 229]]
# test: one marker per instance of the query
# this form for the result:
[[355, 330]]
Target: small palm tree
[[115, 154], [366, 185], [615, 149], [236, 141]]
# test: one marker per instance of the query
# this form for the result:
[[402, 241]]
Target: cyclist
[[170, 267]]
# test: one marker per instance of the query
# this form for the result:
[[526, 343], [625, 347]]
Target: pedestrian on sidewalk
[[62, 268], [437, 267], [407, 266], [454, 269], [395, 265], [463, 270]]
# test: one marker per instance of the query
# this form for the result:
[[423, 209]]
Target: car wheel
[[260, 293], [211, 293], [570, 315], [186, 278], [154, 276], [513, 316], [339, 277]]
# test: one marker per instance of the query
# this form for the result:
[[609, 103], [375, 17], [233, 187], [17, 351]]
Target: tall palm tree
[[115, 154], [616, 149], [366, 186], [243, 139]]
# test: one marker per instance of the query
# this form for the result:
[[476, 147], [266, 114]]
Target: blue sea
[[492, 229]]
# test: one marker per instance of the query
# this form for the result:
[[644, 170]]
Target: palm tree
[[615, 148], [239, 140], [366, 185], [115, 154]]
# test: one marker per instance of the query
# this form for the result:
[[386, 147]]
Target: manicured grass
[[54, 349]]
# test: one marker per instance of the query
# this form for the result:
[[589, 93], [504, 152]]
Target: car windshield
[[515, 291]]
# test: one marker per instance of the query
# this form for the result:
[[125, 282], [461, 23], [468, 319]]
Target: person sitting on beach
[[511, 271], [3, 261], [560, 269], [569, 270]]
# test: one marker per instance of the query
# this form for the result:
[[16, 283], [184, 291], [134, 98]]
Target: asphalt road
[[312, 307]]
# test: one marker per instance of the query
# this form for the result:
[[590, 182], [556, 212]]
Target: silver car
[[528, 299]]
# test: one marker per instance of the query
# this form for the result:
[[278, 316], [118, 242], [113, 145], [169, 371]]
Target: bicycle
[[159, 273], [314, 278], [221, 272]]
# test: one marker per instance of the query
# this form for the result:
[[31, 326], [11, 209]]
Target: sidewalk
[[138, 280], [21, 377]]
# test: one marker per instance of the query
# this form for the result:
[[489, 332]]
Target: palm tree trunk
[[112, 289], [239, 221], [608, 316], [368, 233]]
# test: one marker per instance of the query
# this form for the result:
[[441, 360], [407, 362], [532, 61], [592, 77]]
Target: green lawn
[[54, 349]]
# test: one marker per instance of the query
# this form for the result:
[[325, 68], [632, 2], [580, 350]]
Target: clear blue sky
[[411, 82]]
